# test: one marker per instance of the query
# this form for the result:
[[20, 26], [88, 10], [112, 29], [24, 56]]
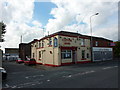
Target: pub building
[[62, 48]]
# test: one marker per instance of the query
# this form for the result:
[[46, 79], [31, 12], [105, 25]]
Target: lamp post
[[91, 44]]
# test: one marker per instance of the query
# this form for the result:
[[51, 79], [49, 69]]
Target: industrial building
[[11, 53], [24, 50], [102, 49]]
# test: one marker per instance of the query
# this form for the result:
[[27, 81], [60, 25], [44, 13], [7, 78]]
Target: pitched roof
[[70, 34]]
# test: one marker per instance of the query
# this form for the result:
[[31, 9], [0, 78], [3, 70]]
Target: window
[[87, 55], [55, 42], [96, 43], [66, 54], [42, 44], [83, 54], [39, 44], [39, 54], [33, 55], [108, 43], [50, 41], [82, 42]]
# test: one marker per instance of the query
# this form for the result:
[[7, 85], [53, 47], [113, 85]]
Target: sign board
[[101, 49], [67, 41]]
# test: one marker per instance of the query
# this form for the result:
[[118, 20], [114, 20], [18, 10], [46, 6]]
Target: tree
[[2, 31], [117, 49]]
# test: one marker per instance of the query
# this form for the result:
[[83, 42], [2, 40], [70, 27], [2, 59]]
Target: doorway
[[74, 56]]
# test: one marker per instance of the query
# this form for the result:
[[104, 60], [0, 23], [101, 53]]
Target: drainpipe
[[53, 55], [36, 52]]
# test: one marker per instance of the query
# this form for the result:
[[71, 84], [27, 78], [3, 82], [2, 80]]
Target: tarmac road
[[90, 75]]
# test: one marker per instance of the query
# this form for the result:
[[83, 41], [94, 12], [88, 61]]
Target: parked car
[[19, 60], [4, 73], [30, 61]]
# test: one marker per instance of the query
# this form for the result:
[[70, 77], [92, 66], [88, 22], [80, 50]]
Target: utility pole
[[48, 33]]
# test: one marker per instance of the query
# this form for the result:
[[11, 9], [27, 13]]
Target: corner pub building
[[61, 48]]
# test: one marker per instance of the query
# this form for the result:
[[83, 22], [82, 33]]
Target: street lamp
[[91, 44]]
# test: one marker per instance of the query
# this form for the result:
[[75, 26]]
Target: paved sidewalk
[[49, 68]]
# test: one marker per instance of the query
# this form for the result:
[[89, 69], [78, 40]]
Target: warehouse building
[[102, 49], [64, 48], [11, 53]]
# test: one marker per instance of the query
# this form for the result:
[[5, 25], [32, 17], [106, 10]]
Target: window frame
[[33, 55], [82, 41], [66, 54], [83, 54], [88, 56], [50, 41], [39, 44], [42, 43], [96, 43], [55, 42], [39, 54]]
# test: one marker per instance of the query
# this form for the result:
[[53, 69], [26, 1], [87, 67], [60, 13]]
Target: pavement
[[89, 75]]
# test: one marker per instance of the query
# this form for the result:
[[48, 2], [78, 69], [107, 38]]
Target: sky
[[33, 19]]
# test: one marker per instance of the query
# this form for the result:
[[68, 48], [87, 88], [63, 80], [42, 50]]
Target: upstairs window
[[42, 44], [96, 43], [83, 42], [50, 41], [55, 42], [39, 44]]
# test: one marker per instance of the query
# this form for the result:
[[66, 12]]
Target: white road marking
[[34, 76], [7, 85], [48, 80], [83, 73], [33, 84], [14, 86], [27, 77], [40, 83], [107, 67], [115, 66], [70, 76], [41, 75], [26, 84]]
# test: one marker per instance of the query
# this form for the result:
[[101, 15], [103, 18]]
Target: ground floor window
[[66, 54], [83, 54], [39, 54], [87, 55], [33, 55]]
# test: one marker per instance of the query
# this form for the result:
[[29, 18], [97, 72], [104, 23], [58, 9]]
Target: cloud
[[75, 16], [69, 15], [37, 23], [17, 15], [110, 32]]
